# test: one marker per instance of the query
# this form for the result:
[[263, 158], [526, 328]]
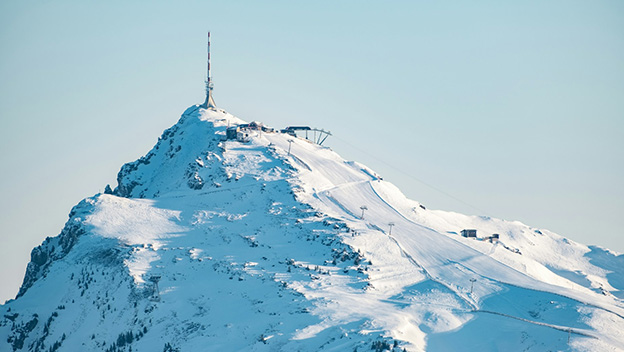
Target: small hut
[[231, 132], [243, 135], [469, 233]]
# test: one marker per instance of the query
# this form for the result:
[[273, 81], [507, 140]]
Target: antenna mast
[[209, 102]]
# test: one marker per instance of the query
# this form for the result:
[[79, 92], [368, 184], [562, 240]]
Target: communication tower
[[209, 102]]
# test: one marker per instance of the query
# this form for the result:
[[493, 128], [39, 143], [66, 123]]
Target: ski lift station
[[494, 238], [315, 135], [244, 132]]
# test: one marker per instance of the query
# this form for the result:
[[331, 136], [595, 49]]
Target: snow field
[[259, 250]]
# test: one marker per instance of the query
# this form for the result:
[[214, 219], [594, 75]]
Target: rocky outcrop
[[54, 248]]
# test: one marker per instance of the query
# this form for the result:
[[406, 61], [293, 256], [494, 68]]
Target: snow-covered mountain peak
[[269, 242]]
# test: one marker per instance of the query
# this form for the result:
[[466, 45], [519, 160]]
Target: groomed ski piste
[[259, 249]]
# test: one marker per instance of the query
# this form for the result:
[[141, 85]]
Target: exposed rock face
[[55, 248], [261, 246]]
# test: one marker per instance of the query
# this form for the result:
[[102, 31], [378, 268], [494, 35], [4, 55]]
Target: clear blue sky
[[516, 108]]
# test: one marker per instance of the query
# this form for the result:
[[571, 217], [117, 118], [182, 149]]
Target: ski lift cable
[[368, 153]]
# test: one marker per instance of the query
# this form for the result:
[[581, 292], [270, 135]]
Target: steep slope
[[207, 244]]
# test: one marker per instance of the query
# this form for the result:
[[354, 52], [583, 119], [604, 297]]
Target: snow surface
[[261, 250]]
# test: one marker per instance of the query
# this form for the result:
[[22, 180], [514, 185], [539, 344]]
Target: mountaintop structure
[[209, 103]]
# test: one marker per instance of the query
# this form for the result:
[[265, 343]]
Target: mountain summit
[[270, 242]]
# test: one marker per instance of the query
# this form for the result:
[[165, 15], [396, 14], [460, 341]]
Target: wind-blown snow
[[261, 250]]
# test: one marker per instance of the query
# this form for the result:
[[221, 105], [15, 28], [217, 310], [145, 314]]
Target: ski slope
[[259, 249]]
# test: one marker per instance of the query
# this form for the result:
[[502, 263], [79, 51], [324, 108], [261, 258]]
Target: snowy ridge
[[261, 250]]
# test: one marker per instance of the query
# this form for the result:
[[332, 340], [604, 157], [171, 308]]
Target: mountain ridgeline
[[274, 243]]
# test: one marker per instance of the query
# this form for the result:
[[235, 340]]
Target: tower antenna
[[209, 102]]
